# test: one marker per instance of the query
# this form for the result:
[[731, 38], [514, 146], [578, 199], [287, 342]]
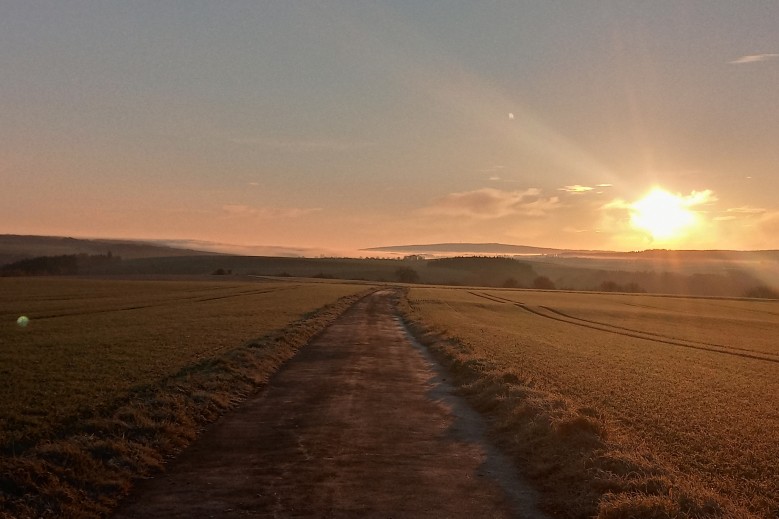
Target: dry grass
[[621, 406], [110, 378]]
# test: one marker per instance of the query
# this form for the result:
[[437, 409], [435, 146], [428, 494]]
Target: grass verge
[[91, 466], [575, 456]]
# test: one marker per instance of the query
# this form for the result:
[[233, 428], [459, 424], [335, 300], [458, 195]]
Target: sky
[[335, 125]]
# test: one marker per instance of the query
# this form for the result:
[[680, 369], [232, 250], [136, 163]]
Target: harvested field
[[111, 376], [622, 405]]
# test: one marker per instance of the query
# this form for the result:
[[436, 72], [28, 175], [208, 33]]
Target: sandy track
[[359, 424]]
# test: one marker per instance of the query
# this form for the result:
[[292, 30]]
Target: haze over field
[[348, 125]]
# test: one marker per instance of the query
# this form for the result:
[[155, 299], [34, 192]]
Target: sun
[[663, 215]]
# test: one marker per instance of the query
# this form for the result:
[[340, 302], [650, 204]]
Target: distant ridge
[[526, 250], [473, 248], [14, 247]]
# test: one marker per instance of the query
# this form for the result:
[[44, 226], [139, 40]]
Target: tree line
[[64, 265]]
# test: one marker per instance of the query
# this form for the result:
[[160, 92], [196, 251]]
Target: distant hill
[[17, 247], [466, 248], [705, 273], [581, 269], [525, 250]]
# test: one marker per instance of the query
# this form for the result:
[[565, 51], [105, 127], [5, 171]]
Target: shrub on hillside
[[543, 283], [762, 292], [511, 283], [407, 275]]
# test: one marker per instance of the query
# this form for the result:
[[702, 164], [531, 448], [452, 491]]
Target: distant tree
[[610, 286], [543, 283], [322, 275], [633, 288], [407, 275], [511, 283], [219, 272], [762, 292], [57, 265]]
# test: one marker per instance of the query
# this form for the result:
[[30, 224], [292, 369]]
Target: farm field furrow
[[719, 323], [557, 315], [89, 342], [707, 421]]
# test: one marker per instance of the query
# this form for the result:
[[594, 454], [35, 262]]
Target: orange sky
[[341, 126]]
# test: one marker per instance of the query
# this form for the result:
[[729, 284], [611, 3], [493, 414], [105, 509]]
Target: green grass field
[[623, 405], [109, 377]]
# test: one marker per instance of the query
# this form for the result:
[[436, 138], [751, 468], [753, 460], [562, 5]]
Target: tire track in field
[[494, 299], [631, 330], [169, 302], [710, 303], [626, 332], [660, 335]]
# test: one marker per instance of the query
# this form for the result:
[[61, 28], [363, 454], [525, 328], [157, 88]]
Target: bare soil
[[361, 423]]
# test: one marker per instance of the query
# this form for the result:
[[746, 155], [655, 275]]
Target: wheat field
[[110, 378], [622, 405], [90, 341]]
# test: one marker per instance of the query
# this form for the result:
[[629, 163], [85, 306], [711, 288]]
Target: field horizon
[[718, 273], [30, 245]]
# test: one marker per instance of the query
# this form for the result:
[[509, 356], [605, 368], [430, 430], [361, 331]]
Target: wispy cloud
[[738, 213], [604, 185], [753, 58], [492, 169], [746, 210], [237, 210], [706, 196], [576, 189], [493, 203], [302, 145]]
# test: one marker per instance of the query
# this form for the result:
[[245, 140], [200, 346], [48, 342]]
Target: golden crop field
[[622, 405], [90, 341], [109, 378]]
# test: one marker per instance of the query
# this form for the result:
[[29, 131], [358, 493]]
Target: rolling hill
[[18, 247]]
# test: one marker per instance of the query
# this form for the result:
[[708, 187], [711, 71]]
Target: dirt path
[[359, 424]]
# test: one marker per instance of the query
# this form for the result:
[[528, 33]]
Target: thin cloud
[[490, 203], [238, 210], [492, 169], [746, 210], [603, 185], [576, 189], [706, 196], [753, 58], [740, 213], [617, 203]]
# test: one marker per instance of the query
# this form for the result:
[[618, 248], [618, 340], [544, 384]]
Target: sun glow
[[663, 215]]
